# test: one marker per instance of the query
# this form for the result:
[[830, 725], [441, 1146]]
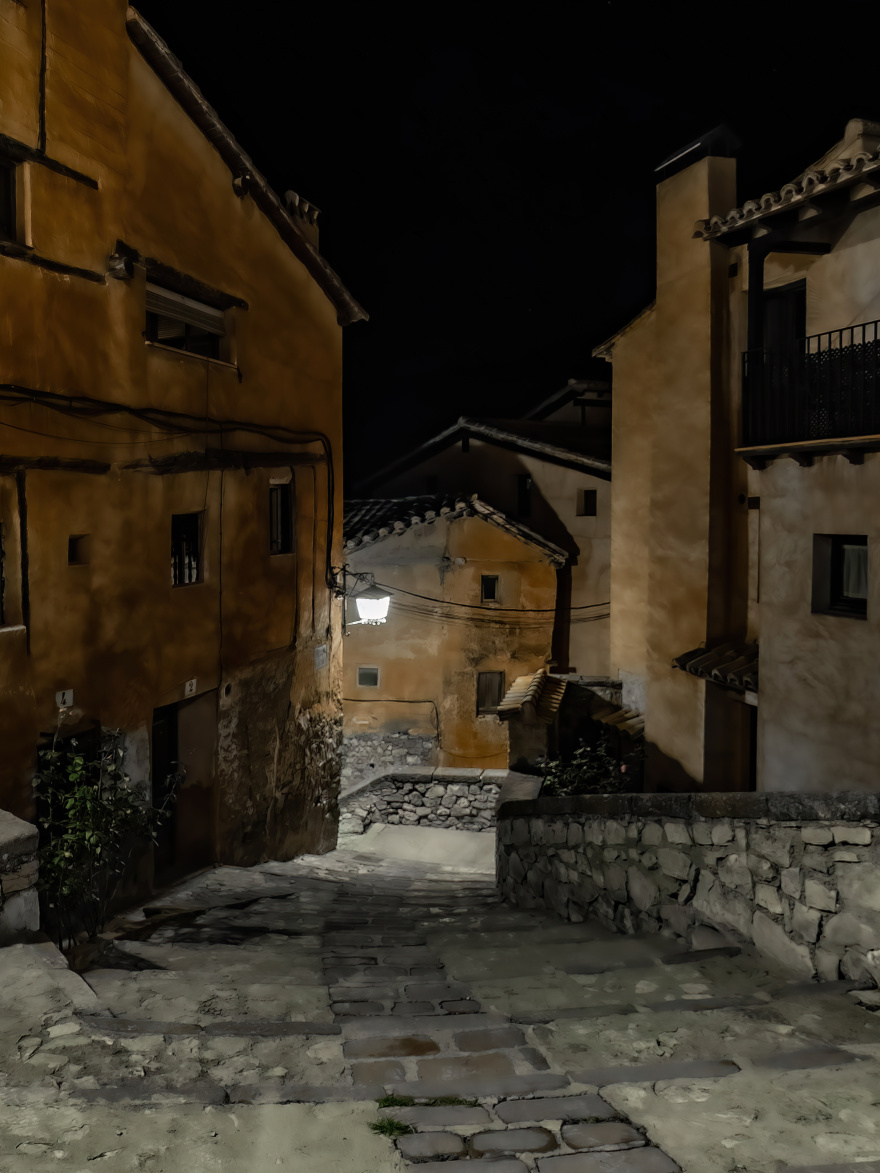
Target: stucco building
[[170, 442], [472, 605], [551, 470], [745, 434]]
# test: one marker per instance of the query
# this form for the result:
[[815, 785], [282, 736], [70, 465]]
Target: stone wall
[[19, 906], [795, 875], [465, 800], [371, 755]]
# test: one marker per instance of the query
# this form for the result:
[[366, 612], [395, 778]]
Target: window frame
[[828, 560], [367, 668], [286, 535], [8, 179], [489, 710], [194, 316], [485, 579], [583, 495], [176, 558]]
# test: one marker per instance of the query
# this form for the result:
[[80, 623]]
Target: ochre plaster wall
[[260, 634], [492, 473], [436, 658], [672, 542]]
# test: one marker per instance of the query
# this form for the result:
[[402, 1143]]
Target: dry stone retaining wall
[[441, 796], [19, 905], [366, 756], [796, 875]]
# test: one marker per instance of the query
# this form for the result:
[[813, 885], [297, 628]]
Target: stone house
[[550, 469], [745, 431], [170, 402], [472, 603]]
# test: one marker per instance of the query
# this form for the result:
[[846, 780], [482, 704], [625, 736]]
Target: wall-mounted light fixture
[[372, 602]]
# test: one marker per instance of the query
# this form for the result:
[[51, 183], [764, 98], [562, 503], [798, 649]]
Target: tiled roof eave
[[811, 184]]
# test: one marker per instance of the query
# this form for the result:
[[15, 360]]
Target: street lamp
[[372, 605]]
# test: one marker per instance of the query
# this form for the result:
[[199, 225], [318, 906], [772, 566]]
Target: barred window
[[186, 548]]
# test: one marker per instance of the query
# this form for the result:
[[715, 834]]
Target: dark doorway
[[164, 774], [785, 316]]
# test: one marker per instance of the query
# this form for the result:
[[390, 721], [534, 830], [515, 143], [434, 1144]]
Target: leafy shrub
[[593, 768], [92, 821]]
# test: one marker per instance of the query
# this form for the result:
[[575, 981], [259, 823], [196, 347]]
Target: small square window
[[586, 503], [840, 575], [183, 323], [368, 677], [523, 495], [489, 588], [78, 550], [186, 548], [281, 519], [490, 690], [7, 199]]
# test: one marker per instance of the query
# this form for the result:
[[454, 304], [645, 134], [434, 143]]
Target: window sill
[[9, 628], [842, 613], [180, 586], [217, 362]]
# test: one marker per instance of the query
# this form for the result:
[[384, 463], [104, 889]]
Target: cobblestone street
[[252, 1019]]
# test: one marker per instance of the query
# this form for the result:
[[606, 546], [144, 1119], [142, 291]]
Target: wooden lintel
[[855, 455]]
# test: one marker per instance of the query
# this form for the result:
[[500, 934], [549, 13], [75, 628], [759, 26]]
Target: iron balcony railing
[[824, 387]]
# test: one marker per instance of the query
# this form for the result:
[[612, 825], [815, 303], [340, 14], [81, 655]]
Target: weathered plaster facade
[[429, 655], [110, 435]]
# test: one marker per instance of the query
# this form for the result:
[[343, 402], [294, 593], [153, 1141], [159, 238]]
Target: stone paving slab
[[419, 1024], [477, 1086], [847, 1167], [647, 1160], [503, 1166], [603, 1137], [582, 1107], [290, 1093], [381, 1048], [651, 1072], [808, 1057], [440, 1115], [422, 1145], [509, 1141]]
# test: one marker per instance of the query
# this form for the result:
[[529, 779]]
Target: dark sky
[[485, 173]]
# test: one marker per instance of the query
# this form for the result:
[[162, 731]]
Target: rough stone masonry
[[797, 875]]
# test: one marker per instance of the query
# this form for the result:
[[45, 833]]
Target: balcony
[[821, 391]]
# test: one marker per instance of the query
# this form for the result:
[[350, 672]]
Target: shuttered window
[[183, 323], [490, 690], [7, 200], [280, 519], [186, 548]]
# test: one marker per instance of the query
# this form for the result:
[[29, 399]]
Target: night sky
[[485, 173]]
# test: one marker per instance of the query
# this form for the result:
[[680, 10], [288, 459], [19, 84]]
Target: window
[[78, 549], [183, 323], [186, 548], [489, 588], [840, 575], [368, 677], [586, 503], [490, 690], [523, 495], [281, 519], [7, 199]]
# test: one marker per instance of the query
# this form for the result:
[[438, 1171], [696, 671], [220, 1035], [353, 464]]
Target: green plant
[[92, 820], [389, 1126], [593, 768], [447, 1101], [396, 1102]]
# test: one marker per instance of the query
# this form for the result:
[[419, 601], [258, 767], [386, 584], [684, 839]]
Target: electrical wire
[[490, 610]]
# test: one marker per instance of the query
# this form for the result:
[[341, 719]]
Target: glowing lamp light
[[372, 605]]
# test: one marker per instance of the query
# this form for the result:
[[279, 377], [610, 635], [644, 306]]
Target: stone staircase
[[476, 1030]]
